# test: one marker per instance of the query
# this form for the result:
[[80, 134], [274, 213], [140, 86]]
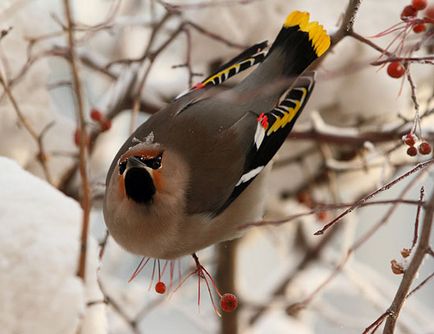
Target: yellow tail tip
[[317, 35]]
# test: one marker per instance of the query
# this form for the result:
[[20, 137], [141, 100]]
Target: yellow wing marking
[[317, 35], [289, 115], [221, 73]]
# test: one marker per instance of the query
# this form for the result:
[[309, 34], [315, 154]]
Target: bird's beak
[[137, 181], [133, 162]]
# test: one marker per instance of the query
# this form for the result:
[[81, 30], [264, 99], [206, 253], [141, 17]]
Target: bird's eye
[[142, 159], [122, 167], [154, 163]]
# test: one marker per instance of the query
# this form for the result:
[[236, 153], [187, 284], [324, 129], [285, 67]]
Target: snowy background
[[41, 222]]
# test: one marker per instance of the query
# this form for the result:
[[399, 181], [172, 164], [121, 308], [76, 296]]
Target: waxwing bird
[[192, 174]]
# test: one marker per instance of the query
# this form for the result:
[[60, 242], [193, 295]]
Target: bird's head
[[145, 195], [140, 175], [148, 176]]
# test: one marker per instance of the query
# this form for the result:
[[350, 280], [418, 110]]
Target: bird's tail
[[297, 45]]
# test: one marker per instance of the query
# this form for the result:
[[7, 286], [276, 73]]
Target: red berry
[[96, 115], [425, 148], [408, 11], [395, 69], [418, 28], [322, 215], [106, 124], [409, 139], [77, 138], [160, 287], [412, 151], [304, 197], [419, 4], [229, 302]]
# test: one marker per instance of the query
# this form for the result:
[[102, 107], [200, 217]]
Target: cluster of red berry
[[409, 14], [410, 140], [103, 122], [412, 10]]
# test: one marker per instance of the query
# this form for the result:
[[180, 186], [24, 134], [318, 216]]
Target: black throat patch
[[139, 185]]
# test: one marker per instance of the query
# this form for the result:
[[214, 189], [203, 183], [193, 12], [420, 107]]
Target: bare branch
[[416, 223], [86, 199], [226, 278], [420, 285], [346, 26], [356, 245], [41, 155], [387, 186], [411, 272]]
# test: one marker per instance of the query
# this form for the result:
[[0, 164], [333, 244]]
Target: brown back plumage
[[215, 131]]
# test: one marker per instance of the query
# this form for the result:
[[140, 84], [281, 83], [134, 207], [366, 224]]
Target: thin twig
[[376, 324], [411, 272], [215, 36], [356, 245], [156, 28], [203, 4], [416, 123], [420, 285], [226, 281], [347, 24], [117, 308], [387, 186], [368, 42], [419, 60], [319, 207], [86, 196], [41, 155], [416, 223], [103, 245], [141, 84]]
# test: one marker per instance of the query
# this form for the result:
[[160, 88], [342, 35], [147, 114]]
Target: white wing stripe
[[249, 175], [259, 135]]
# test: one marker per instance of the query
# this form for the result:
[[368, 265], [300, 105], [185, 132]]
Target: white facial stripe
[[149, 138], [249, 175]]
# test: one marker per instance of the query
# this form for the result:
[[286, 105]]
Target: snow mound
[[39, 243]]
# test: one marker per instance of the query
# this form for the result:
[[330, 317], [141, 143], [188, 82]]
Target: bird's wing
[[272, 128], [246, 59], [255, 117]]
